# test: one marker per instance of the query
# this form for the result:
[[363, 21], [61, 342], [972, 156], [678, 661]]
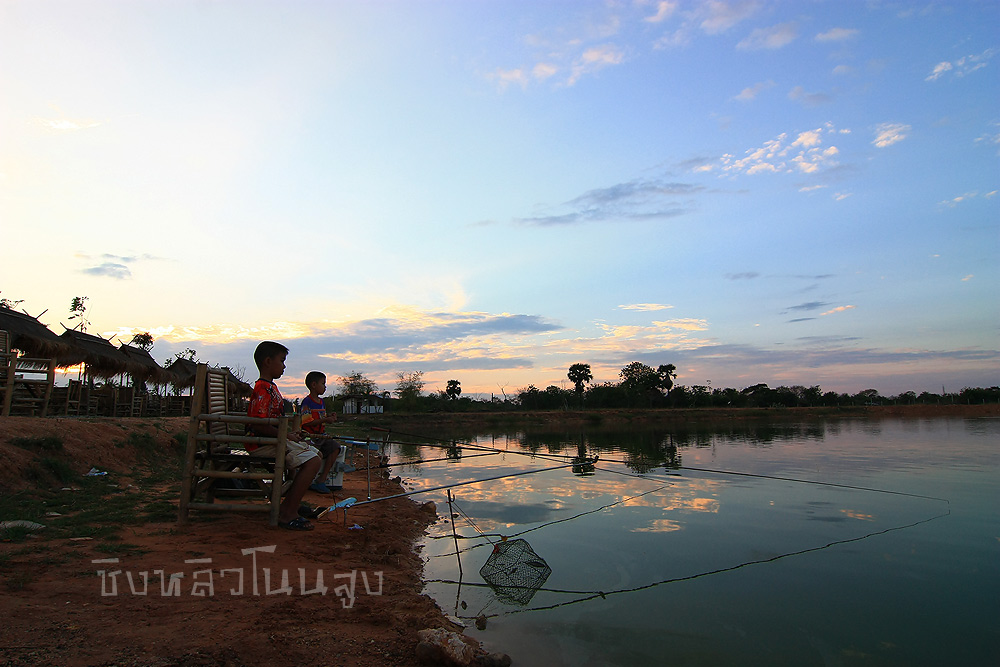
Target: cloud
[[963, 66], [955, 201], [988, 139], [887, 134], [968, 278], [721, 16], [841, 196], [664, 10], [113, 266], [633, 200], [811, 188], [748, 94], [594, 59], [109, 270], [837, 35], [746, 275], [645, 306], [686, 324], [799, 94], [773, 37], [838, 309], [805, 154], [809, 305], [506, 77]]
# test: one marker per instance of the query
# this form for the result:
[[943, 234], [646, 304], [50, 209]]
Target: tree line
[[642, 386]]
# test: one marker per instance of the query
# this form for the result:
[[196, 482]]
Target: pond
[[824, 543]]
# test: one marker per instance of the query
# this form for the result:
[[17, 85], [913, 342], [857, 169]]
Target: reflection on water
[[797, 544]]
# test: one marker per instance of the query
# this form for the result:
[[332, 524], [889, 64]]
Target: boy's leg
[[329, 450], [293, 497]]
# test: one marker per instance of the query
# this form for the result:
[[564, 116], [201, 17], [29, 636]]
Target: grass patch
[[15, 533], [46, 443], [59, 469]]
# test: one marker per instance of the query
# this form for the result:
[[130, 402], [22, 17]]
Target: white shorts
[[296, 453]]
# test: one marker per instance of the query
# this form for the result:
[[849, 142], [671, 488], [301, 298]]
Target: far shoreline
[[669, 416]]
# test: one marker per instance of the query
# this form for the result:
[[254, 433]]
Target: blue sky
[[780, 192]]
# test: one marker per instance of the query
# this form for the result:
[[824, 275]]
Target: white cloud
[[543, 71], [838, 309], [963, 66], [686, 324], [773, 37], [968, 278], [645, 306], [837, 35], [841, 196], [805, 154], [664, 10], [888, 134], [750, 93], [812, 188], [594, 59], [842, 70], [724, 15], [505, 77]]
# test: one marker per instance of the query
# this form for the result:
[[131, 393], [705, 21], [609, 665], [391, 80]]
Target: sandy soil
[[55, 610]]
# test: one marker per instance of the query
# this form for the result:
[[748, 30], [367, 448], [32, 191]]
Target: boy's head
[[270, 359], [316, 382]]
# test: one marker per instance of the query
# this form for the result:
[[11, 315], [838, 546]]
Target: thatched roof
[[142, 366], [102, 358], [183, 371], [29, 335], [184, 374]]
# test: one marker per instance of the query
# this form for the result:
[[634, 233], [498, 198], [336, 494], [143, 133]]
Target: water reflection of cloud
[[861, 516], [659, 526]]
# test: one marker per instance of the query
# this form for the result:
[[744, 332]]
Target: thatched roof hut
[[29, 335], [101, 357], [184, 373], [142, 367]]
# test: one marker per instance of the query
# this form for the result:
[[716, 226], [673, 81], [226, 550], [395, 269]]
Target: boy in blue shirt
[[314, 419]]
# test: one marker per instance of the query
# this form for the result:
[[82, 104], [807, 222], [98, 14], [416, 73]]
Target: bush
[[48, 443]]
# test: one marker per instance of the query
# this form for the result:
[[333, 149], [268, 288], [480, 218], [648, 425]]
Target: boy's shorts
[[296, 453]]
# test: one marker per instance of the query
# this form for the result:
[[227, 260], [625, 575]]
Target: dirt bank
[[56, 610]]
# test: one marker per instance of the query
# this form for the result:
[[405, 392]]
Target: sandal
[[298, 523]]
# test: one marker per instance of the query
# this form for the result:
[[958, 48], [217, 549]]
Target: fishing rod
[[446, 458]]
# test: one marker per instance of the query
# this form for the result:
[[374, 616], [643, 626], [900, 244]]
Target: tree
[[409, 385], [78, 310], [357, 384], [9, 303], [454, 389], [666, 374], [143, 341], [579, 374]]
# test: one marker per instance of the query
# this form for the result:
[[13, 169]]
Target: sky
[[793, 193]]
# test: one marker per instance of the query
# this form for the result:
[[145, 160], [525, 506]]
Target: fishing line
[[539, 527], [452, 486], [591, 595]]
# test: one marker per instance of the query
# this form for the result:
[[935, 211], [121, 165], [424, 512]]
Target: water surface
[[839, 543]]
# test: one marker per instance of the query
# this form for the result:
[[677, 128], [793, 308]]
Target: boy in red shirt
[[304, 459]]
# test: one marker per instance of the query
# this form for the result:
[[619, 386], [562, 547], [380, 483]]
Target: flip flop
[[298, 523]]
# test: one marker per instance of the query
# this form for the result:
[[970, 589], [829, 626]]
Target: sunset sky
[[798, 192]]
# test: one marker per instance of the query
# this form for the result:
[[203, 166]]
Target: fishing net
[[514, 571]]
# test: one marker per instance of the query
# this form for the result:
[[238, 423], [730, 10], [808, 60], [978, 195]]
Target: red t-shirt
[[266, 402]]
